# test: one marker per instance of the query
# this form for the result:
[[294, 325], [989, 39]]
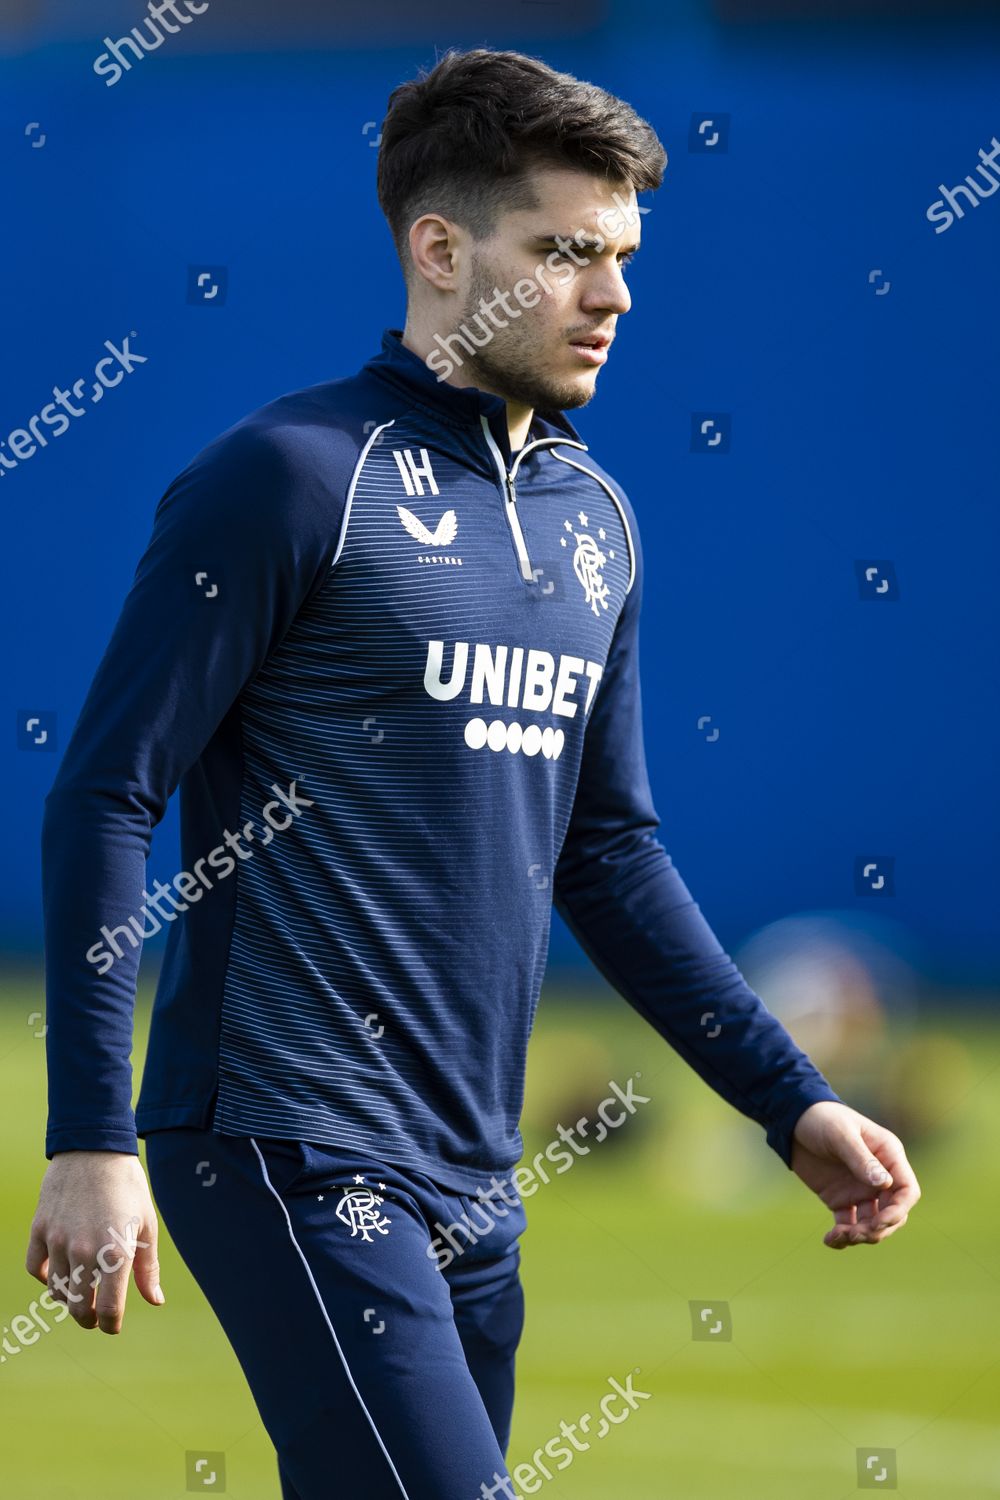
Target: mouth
[[593, 349]]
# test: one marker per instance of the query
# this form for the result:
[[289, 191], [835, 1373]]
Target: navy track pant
[[378, 1368]]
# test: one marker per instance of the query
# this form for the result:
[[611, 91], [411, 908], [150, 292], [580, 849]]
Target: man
[[384, 637]]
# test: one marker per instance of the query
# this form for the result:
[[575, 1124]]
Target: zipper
[[508, 489]]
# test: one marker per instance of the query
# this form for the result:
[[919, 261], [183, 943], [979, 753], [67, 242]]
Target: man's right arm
[[240, 540]]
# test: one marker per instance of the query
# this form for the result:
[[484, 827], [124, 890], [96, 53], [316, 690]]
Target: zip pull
[[527, 573], [509, 503]]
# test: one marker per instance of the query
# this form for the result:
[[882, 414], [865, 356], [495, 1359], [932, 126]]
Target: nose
[[605, 290]]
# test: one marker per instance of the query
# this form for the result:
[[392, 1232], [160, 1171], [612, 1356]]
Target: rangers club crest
[[588, 560], [360, 1208]]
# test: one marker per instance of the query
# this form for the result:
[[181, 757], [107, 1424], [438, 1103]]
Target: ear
[[436, 248]]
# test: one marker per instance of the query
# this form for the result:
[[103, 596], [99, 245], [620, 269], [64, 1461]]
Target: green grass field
[[885, 1347]]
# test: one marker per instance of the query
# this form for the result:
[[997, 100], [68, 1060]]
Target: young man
[[384, 637]]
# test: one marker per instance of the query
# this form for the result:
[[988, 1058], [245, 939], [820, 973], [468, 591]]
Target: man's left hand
[[859, 1170]]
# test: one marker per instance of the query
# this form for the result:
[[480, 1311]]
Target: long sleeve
[[239, 540], [619, 892]]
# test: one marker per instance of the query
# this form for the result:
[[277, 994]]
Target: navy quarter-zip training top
[[393, 669]]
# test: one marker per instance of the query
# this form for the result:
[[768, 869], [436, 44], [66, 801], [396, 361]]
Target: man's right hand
[[94, 1226]]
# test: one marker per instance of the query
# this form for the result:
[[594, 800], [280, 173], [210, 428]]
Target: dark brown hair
[[462, 139]]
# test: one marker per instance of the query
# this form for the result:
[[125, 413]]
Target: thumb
[[146, 1270], [854, 1153]]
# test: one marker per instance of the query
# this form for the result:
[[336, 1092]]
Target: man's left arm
[[619, 892]]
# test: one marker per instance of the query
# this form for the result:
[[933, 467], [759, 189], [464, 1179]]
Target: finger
[[859, 1157], [884, 1233], [872, 1220], [112, 1292], [844, 1220], [36, 1261], [875, 1236], [890, 1152], [850, 1237], [906, 1192], [82, 1294], [885, 1222], [892, 1207], [146, 1267], [891, 1212], [57, 1274]]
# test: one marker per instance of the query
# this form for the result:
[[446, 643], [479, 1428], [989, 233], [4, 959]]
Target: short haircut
[[462, 140]]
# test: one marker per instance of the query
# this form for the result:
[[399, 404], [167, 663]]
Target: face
[[574, 249]]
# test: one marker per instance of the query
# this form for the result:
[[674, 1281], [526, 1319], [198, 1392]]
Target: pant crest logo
[[361, 1210]]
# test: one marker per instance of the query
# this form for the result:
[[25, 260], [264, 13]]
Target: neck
[[519, 416]]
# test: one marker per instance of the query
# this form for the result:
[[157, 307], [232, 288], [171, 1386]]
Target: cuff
[[91, 1138]]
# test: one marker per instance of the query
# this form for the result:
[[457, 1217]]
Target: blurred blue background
[[790, 288]]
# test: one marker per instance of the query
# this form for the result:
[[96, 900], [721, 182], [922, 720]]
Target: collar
[[463, 405]]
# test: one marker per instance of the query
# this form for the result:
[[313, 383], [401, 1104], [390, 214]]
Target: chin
[[576, 395]]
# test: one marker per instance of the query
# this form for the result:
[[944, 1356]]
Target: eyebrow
[[588, 242]]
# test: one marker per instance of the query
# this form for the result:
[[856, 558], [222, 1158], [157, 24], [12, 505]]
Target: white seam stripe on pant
[[326, 1315]]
